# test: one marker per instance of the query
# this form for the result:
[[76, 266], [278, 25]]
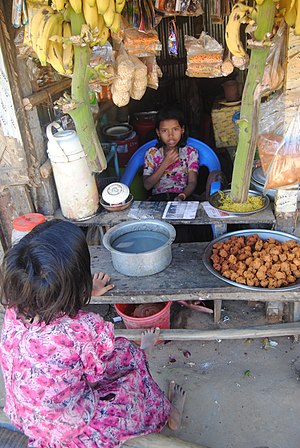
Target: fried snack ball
[[255, 262]]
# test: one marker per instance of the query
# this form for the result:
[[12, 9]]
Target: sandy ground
[[240, 393]]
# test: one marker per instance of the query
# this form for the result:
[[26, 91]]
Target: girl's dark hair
[[47, 273], [171, 113]]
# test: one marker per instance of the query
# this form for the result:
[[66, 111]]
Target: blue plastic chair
[[207, 158]]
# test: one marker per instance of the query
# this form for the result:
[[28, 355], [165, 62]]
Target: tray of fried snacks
[[262, 260]]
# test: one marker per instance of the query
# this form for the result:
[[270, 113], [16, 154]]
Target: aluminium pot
[[151, 252]]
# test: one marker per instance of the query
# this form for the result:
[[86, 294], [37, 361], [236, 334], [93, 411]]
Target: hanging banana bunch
[[239, 15], [50, 36]]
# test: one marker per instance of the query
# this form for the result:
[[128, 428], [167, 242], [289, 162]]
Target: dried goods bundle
[[141, 44]]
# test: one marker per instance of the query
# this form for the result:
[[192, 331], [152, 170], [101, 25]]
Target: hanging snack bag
[[204, 56], [153, 72], [141, 44], [121, 84], [279, 143], [173, 39], [139, 80]]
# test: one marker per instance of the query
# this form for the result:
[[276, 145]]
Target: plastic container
[[126, 148], [143, 128], [24, 224], [75, 184], [235, 118], [160, 319]]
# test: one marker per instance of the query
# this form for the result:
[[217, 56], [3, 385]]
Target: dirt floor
[[241, 393]]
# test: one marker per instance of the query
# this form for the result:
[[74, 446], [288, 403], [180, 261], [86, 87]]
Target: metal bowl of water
[[140, 248], [215, 200]]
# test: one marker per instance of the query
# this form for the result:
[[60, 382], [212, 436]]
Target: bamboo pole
[[249, 115], [159, 441], [262, 331]]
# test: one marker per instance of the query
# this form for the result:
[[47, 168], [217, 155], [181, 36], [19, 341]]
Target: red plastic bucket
[[160, 319]]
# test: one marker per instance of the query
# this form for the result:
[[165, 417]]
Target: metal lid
[[115, 193], [258, 175], [27, 222]]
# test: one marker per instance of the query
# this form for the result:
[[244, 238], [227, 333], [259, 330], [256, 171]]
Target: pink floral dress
[[175, 177], [48, 371]]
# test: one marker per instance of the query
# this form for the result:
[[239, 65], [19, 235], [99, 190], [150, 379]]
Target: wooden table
[[104, 220], [186, 278]]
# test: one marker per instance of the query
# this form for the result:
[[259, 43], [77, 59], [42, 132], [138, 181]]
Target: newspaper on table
[[145, 210], [212, 212], [180, 210]]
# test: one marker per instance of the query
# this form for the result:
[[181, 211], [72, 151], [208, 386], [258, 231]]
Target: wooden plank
[[44, 94], [262, 331], [110, 219], [186, 278], [159, 441]]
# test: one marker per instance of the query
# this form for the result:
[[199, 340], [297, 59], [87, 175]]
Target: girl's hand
[[180, 197], [101, 284], [171, 157]]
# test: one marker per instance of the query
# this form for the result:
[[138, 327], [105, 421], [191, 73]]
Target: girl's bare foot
[[101, 284], [177, 398], [149, 338]]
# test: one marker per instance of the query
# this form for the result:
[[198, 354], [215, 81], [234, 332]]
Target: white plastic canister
[[75, 184]]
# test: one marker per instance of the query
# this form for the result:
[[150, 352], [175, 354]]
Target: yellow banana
[[109, 14], [55, 51], [90, 2], [240, 14], [47, 31], [68, 51], [59, 5], [102, 6], [120, 5], [115, 26], [297, 22], [291, 16], [104, 36], [36, 23], [90, 14], [76, 5]]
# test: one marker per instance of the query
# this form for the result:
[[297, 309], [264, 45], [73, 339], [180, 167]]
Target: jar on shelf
[[24, 224]]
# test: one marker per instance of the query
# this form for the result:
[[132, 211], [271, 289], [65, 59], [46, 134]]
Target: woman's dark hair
[[47, 273], [171, 113]]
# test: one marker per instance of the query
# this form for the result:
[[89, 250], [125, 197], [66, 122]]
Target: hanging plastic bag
[[204, 56], [153, 72], [279, 143], [139, 80], [173, 39], [273, 76]]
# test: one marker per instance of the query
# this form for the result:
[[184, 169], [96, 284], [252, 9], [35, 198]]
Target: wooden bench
[[186, 278], [104, 220]]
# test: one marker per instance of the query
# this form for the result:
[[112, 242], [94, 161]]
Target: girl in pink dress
[[69, 382], [171, 167]]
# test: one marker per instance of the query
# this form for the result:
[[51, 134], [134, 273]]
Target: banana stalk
[[81, 113], [249, 115]]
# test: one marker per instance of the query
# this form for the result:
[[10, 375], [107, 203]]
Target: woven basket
[[225, 135]]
